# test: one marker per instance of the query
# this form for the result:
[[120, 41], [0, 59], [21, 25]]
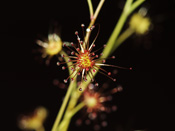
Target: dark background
[[147, 99]]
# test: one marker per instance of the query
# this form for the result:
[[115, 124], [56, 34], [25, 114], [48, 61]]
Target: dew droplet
[[76, 32], [94, 70], [58, 63], [96, 84], [109, 73], [65, 81], [88, 30], [113, 57], [78, 49], [119, 88], [82, 25], [72, 43]]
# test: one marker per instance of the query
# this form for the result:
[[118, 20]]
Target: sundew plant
[[84, 92]]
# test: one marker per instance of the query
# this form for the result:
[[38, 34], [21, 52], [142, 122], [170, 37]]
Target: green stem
[[90, 8], [112, 40], [71, 105], [63, 106], [128, 9], [97, 11], [127, 33], [135, 5], [93, 19], [77, 108], [115, 33], [64, 125], [73, 100], [128, 5], [68, 94], [41, 129], [66, 58]]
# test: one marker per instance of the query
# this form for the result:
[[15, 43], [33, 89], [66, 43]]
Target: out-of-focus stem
[[41, 129], [115, 33], [127, 33], [135, 5], [128, 9]]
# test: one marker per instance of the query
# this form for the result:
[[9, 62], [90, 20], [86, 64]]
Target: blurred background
[[147, 100]]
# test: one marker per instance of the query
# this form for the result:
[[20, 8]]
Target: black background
[[147, 99]]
